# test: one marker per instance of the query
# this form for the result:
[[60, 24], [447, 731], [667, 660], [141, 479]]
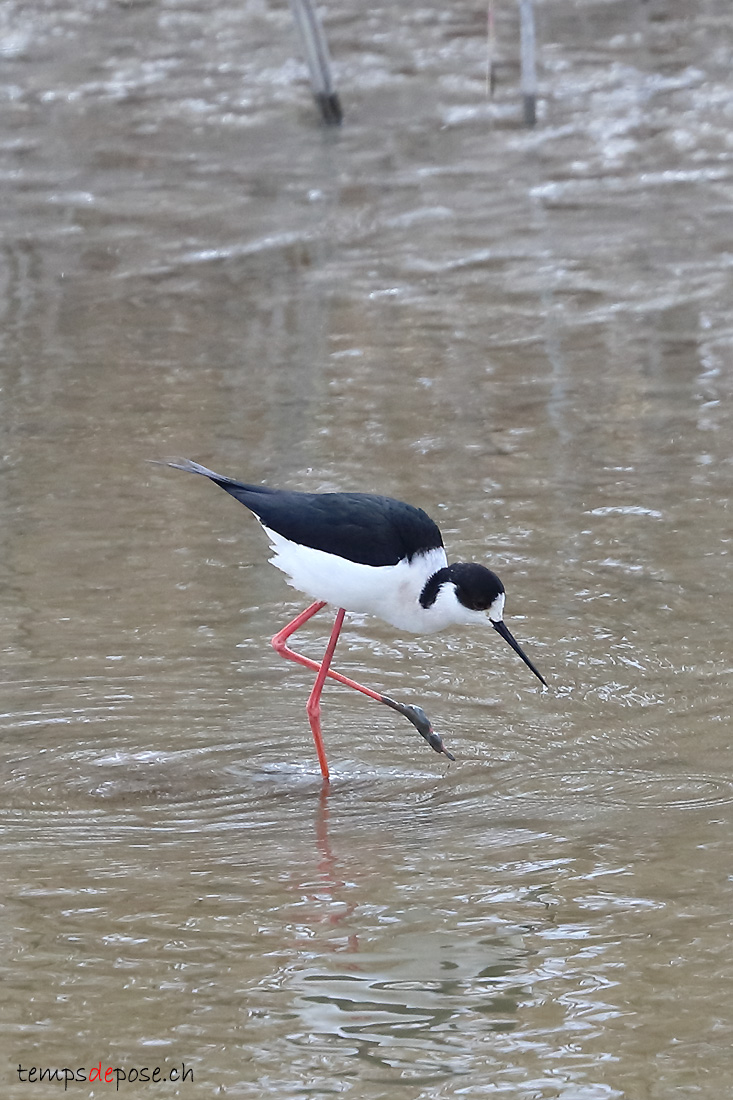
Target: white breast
[[391, 592]]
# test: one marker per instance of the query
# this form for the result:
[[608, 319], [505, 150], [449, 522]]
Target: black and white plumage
[[368, 554]]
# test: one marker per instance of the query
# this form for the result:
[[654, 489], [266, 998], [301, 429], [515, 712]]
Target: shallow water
[[529, 334]]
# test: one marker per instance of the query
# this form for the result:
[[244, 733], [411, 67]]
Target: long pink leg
[[414, 714], [313, 706], [279, 644], [322, 669]]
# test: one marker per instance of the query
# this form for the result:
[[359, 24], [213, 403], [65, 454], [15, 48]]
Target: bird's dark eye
[[470, 599]]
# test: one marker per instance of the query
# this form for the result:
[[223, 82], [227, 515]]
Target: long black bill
[[506, 634]]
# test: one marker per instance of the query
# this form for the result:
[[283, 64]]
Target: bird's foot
[[421, 722]]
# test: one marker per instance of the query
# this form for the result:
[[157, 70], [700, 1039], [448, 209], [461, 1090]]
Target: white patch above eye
[[496, 609]]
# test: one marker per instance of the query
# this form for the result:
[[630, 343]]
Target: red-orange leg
[[313, 706], [279, 644], [322, 669], [414, 714]]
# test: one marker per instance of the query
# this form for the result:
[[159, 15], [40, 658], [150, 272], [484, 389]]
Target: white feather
[[391, 592]]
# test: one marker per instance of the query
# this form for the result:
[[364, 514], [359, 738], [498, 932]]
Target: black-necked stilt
[[373, 555]]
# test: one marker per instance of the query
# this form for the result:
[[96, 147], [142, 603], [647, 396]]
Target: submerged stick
[[528, 51], [490, 50], [318, 59]]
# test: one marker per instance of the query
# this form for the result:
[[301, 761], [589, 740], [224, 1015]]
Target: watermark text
[[105, 1075]]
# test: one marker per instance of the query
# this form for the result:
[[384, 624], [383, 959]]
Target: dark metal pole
[[528, 50], [318, 58]]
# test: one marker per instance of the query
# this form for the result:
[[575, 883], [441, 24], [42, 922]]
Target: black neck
[[429, 593]]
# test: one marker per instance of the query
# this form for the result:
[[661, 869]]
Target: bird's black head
[[477, 588]]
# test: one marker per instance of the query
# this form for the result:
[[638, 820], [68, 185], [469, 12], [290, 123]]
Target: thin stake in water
[[528, 51], [318, 59], [490, 50], [528, 57]]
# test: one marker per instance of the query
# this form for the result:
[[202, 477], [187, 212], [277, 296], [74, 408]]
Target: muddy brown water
[[529, 334]]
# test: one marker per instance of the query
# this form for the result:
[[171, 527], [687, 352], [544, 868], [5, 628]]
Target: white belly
[[391, 592]]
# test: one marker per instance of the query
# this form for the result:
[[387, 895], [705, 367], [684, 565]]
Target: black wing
[[370, 530]]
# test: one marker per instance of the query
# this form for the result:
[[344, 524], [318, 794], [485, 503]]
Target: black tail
[[248, 495]]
